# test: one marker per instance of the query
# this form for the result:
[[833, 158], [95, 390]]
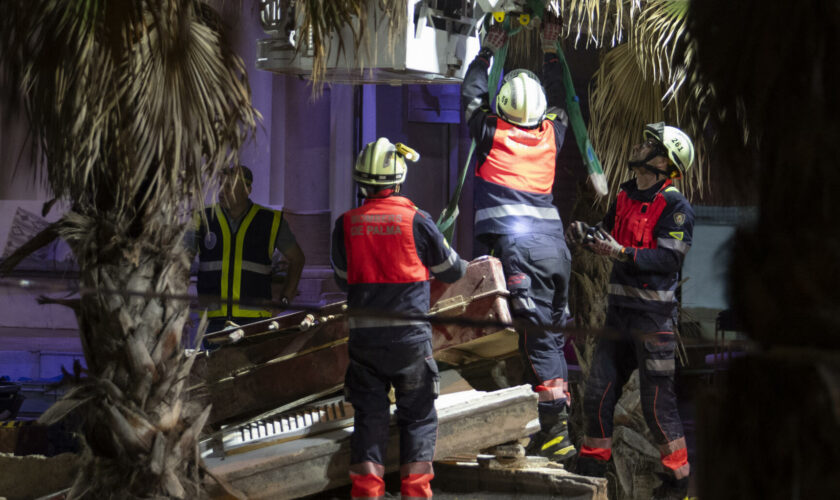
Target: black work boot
[[552, 441], [591, 466], [671, 489]]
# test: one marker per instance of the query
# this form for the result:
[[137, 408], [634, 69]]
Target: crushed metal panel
[[307, 466]]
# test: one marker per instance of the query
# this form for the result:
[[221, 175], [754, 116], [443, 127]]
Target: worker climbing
[[516, 219]]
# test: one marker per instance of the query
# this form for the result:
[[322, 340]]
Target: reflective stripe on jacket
[[657, 224], [237, 266], [384, 252], [513, 185], [515, 166]]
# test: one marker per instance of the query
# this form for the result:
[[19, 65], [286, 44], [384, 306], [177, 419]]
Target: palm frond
[[657, 34], [601, 23], [134, 109], [657, 85], [524, 51], [621, 102], [321, 22]]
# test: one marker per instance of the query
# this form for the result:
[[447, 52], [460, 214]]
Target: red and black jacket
[[515, 165], [656, 225], [382, 253]]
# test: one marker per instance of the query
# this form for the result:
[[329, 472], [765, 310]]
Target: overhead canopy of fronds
[[133, 105], [653, 33]]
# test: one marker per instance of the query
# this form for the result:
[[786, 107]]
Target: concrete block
[[530, 482]]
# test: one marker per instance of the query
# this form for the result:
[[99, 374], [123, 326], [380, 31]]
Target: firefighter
[[235, 252], [516, 220], [647, 232], [382, 254]]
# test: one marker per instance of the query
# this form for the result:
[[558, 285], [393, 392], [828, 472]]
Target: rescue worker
[[235, 251], [516, 220], [647, 232], [382, 253]]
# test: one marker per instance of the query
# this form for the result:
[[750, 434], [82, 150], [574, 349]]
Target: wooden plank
[[308, 466], [282, 360]]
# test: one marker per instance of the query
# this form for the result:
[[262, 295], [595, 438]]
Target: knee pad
[[519, 286]]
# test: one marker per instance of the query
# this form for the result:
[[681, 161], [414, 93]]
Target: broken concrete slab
[[546, 480], [468, 422]]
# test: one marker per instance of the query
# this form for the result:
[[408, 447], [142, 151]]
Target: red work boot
[[416, 486], [367, 486]]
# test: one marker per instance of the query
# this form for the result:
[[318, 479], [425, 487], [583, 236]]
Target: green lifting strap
[[587, 152], [446, 221]]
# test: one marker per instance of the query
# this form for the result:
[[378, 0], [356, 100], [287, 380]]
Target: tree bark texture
[[139, 430]]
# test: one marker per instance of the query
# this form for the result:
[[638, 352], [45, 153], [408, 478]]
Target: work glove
[[604, 244], [494, 39], [551, 28], [577, 231]]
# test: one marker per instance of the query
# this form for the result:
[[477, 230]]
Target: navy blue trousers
[[537, 269], [645, 341], [412, 371]]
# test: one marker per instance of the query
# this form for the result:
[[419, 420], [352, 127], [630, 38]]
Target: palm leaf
[[321, 21], [115, 96], [643, 81], [600, 22], [621, 102], [657, 34]]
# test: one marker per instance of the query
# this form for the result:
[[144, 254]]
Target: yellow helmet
[[521, 100], [382, 164], [677, 145]]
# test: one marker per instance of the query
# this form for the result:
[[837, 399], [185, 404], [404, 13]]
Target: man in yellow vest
[[235, 252]]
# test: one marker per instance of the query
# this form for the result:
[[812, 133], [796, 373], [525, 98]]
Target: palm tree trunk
[[140, 431]]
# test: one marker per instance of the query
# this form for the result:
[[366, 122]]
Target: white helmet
[[521, 100], [382, 164], [678, 146]]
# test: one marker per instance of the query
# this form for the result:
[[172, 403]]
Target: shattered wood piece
[[480, 295], [282, 361], [317, 463]]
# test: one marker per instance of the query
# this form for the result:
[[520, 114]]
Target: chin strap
[[644, 164], [672, 173]]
